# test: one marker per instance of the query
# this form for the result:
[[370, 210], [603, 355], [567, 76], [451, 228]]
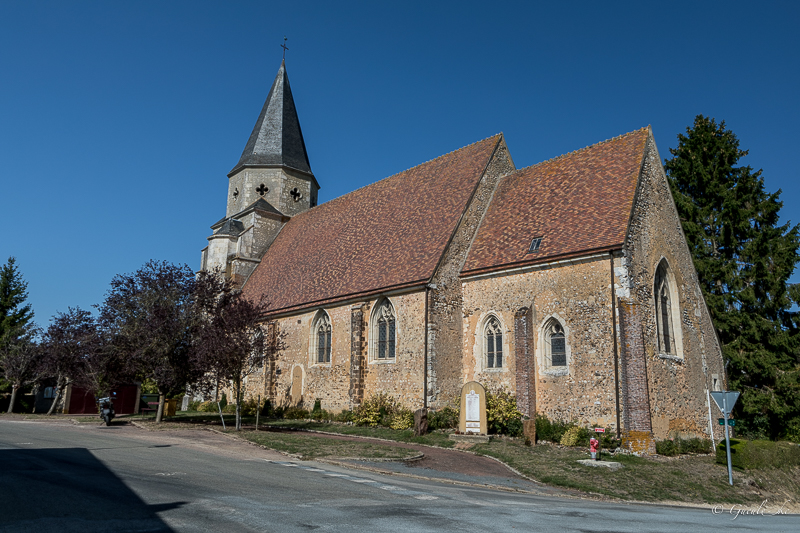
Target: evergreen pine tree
[[744, 259], [13, 293]]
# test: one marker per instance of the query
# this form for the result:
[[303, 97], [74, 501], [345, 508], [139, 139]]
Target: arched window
[[321, 339], [384, 332], [664, 305], [494, 343], [555, 343]]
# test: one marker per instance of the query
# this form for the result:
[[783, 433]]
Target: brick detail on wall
[[270, 378], [358, 362], [633, 383], [523, 348]]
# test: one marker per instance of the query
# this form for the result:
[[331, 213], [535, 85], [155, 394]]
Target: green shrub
[[502, 415], [376, 410], [267, 411], [756, 454], [678, 446], [344, 416], [249, 407], [444, 418], [207, 407], [194, 405], [550, 430], [571, 436], [318, 413], [295, 413], [608, 440], [223, 402], [149, 386], [230, 408]]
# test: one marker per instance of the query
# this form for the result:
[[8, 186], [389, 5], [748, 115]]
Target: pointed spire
[[276, 139]]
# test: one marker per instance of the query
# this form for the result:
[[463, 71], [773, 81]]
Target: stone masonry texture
[[475, 272], [677, 385], [445, 334]]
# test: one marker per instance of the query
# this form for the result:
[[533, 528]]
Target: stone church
[[568, 283]]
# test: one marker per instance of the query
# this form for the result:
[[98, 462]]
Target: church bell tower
[[271, 183]]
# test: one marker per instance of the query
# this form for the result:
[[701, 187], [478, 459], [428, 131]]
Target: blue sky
[[120, 120]]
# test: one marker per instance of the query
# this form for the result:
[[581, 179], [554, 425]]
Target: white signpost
[[725, 400]]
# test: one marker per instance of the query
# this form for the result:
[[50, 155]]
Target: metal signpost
[[725, 400]]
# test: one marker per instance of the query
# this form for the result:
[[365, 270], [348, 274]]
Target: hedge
[[755, 454]]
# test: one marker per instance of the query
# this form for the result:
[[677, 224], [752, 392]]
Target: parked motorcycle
[[106, 409]]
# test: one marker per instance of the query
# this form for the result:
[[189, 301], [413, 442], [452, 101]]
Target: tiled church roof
[[577, 203], [389, 234]]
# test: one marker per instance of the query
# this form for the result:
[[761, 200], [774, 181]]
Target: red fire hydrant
[[593, 445]]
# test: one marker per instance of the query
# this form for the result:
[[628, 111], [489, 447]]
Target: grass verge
[[309, 446], [688, 479], [405, 435]]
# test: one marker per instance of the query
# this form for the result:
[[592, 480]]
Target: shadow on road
[[69, 489]]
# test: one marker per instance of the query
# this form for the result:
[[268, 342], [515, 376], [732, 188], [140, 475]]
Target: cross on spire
[[284, 47]]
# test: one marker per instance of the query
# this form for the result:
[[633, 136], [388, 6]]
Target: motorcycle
[[106, 409]]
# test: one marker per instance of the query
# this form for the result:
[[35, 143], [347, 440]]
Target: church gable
[[579, 202], [388, 235]]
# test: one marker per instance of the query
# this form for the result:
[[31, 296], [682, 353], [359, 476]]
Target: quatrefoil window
[[296, 195], [262, 189]]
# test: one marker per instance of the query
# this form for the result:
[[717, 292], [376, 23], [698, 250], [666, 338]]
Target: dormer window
[[535, 244]]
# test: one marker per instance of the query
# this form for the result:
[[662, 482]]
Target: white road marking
[[394, 489]]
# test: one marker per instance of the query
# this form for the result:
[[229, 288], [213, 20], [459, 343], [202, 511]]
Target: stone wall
[[243, 190], [677, 383], [445, 298], [578, 294], [352, 373]]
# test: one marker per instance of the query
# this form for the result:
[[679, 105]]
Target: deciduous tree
[[230, 343], [69, 340], [149, 317]]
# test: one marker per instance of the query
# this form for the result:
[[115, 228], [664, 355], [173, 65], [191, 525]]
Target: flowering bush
[[404, 419], [376, 410], [571, 436]]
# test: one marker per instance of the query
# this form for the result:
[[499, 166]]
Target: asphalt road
[[62, 477]]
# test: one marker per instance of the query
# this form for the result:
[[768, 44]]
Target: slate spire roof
[[276, 139]]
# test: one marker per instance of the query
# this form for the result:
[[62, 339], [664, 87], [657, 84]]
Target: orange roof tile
[[579, 202], [389, 234]]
